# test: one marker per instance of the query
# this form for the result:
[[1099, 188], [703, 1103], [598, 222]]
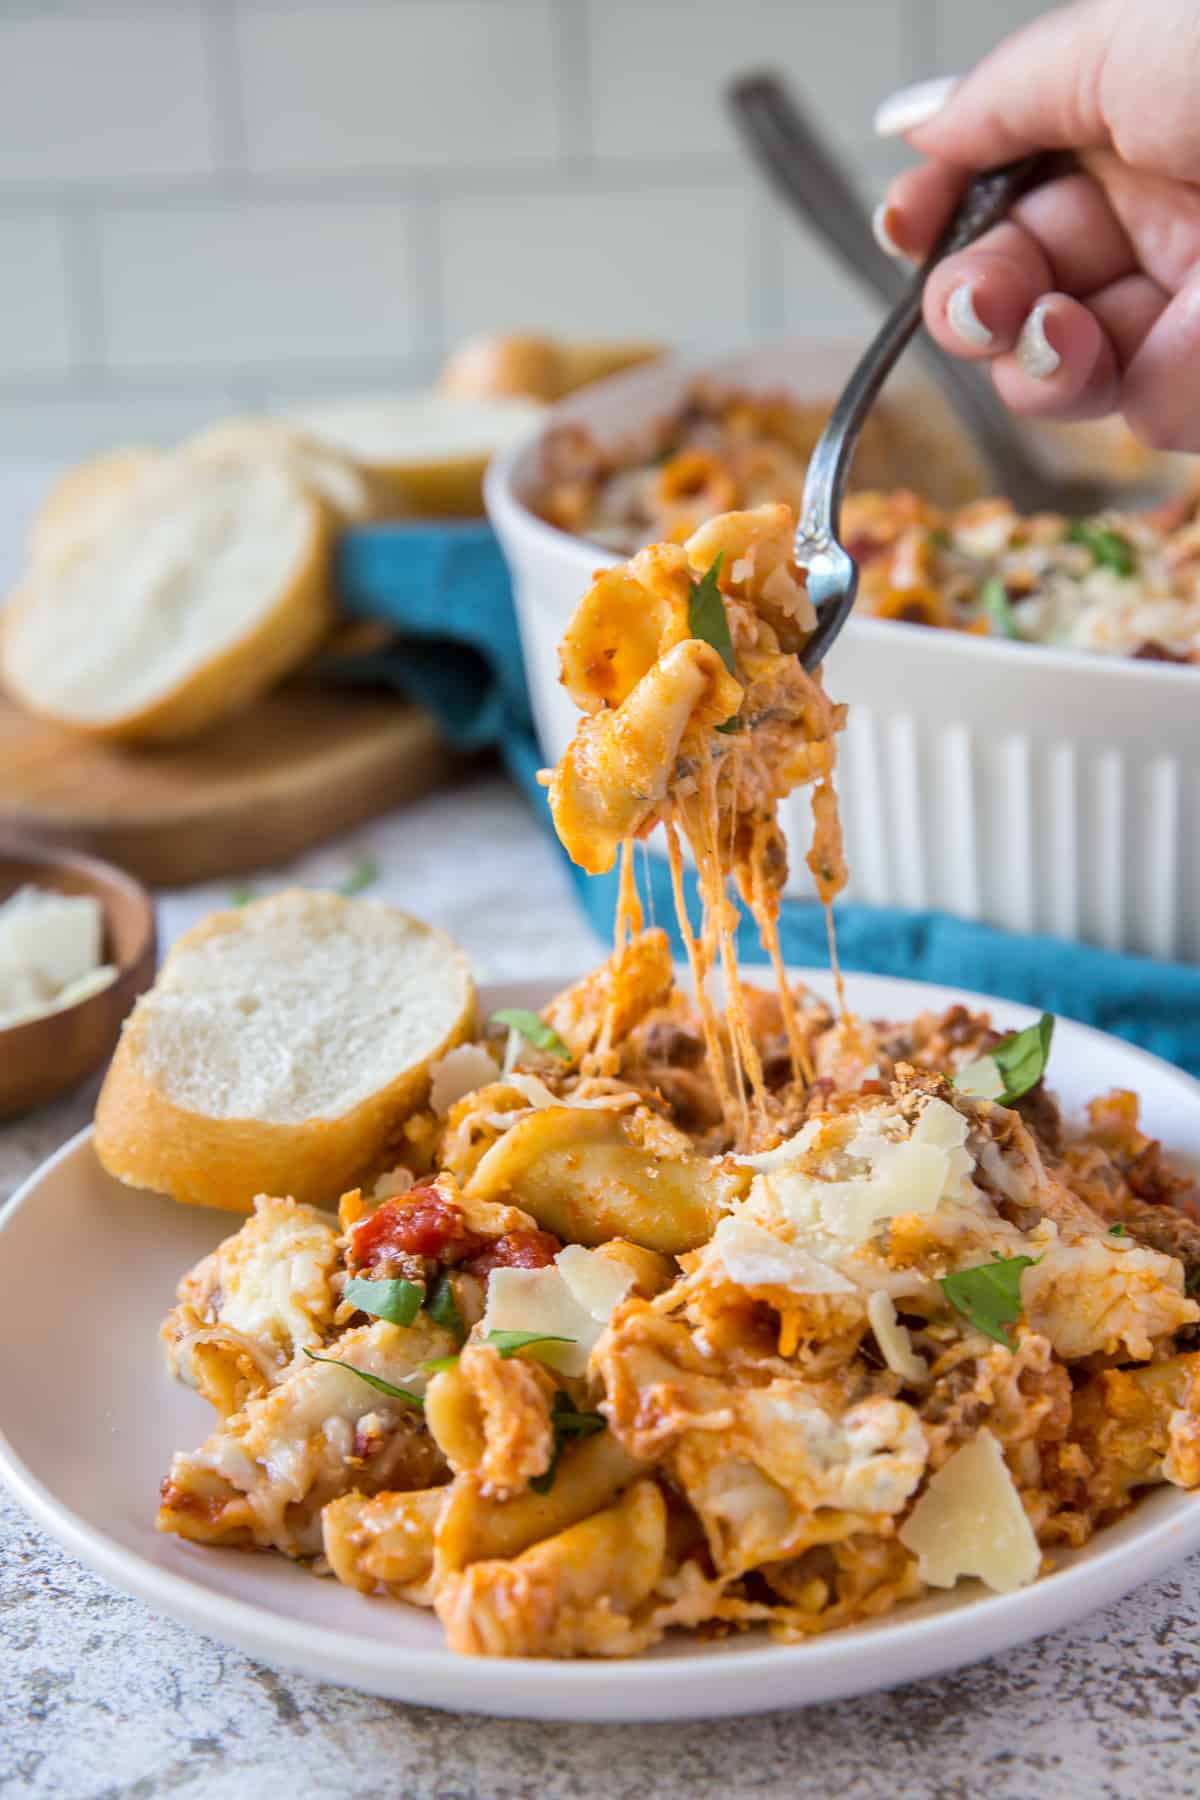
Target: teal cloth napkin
[[445, 587]]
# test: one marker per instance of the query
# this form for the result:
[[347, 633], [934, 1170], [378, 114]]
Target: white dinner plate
[[89, 1421]]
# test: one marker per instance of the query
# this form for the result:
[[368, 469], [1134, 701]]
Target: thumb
[[1038, 90]]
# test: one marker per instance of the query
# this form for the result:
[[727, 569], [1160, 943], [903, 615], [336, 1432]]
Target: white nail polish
[[913, 106], [964, 320], [1035, 353], [883, 236]]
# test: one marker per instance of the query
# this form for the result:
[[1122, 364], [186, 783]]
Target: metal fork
[[808, 175], [832, 573]]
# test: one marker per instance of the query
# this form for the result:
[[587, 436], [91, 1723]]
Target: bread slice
[[333, 476], [208, 585], [542, 368], [280, 1050], [81, 503], [428, 451]]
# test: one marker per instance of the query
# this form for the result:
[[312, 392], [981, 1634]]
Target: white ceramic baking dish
[[1044, 790]]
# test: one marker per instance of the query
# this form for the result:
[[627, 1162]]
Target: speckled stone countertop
[[100, 1699]]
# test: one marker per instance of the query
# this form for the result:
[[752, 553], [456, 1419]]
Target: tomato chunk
[[515, 1250], [419, 1223]]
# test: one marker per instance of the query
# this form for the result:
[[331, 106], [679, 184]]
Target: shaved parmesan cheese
[[533, 1089], [895, 1344], [970, 1521], [940, 1124], [571, 1299], [540, 1300], [791, 1150], [459, 1073], [755, 1257], [597, 1283], [57, 935], [982, 1079], [393, 1181], [50, 953], [908, 1174]]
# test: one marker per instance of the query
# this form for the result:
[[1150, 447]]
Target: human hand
[[1086, 300]]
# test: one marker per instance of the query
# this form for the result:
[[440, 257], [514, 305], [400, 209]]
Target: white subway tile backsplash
[[816, 296], [232, 283], [656, 260], [208, 204], [964, 34], [98, 99], [418, 85], [658, 67], [35, 337]]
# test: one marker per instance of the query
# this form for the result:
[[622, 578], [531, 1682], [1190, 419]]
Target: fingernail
[[881, 225], [913, 106], [1035, 353], [963, 319]]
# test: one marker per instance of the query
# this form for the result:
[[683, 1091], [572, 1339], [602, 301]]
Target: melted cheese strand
[[746, 1060], [827, 860], [763, 902], [629, 920], [699, 965], [628, 923]]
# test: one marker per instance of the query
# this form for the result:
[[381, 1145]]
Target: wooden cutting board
[[301, 765]]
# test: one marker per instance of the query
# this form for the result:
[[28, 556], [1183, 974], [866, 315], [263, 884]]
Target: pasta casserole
[[1125, 584], [673, 1315]]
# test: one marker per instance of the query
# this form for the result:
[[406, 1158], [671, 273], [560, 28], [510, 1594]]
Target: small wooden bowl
[[46, 1057]]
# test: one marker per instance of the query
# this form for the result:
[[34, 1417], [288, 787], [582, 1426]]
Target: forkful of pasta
[[697, 669]]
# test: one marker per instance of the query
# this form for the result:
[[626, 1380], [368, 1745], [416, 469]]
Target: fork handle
[[810, 177], [984, 202]]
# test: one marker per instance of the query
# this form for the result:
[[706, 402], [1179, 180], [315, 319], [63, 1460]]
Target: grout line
[[766, 266], [226, 95], [26, 10], [85, 290], [189, 380], [572, 51], [367, 185], [428, 288], [922, 39]]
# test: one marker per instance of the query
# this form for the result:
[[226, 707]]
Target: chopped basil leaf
[[998, 607], [989, 1295], [437, 1363], [442, 1308], [1191, 1283], [375, 1381], [730, 726], [940, 538], [398, 1302], [707, 618], [1117, 1230], [567, 1423], [509, 1342], [1022, 1057], [1013, 1066], [241, 895], [1110, 549], [364, 873], [533, 1029]]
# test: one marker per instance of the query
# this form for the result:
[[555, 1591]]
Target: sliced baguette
[[428, 451], [280, 1050], [209, 584], [334, 477], [542, 368], [82, 502]]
